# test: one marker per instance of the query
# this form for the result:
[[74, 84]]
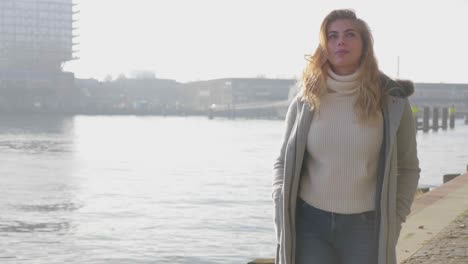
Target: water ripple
[[34, 146], [50, 207], [25, 227]]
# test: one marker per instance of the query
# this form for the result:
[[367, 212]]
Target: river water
[[126, 189]]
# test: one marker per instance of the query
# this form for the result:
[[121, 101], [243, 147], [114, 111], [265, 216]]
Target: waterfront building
[[36, 39], [234, 92]]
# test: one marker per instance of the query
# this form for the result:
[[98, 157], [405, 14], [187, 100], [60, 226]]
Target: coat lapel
[[302, 133], [303, 126]]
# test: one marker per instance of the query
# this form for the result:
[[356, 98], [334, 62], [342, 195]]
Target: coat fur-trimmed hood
[[397, 88]]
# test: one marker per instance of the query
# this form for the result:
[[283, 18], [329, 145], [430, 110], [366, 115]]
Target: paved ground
[[436, 232], [450, 246]]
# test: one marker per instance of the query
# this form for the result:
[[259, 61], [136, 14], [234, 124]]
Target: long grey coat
[[398, 172]]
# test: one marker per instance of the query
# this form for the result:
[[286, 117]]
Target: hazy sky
[[190, 40]]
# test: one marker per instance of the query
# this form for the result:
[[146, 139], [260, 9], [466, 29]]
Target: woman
[[348, 169]]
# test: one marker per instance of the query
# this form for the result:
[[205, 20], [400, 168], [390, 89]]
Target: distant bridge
[[278, 109], [273, 110]]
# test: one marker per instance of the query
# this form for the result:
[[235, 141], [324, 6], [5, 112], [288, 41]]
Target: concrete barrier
[[449, 177]]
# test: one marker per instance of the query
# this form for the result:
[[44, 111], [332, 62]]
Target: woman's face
[[344, 46]]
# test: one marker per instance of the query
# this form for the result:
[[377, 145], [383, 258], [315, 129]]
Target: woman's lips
[[341, 52]]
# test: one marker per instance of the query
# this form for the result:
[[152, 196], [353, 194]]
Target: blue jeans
[[330, 238]]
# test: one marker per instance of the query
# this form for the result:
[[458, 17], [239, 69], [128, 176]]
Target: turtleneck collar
[[343, 84]]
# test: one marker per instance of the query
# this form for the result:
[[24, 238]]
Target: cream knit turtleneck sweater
[[340, 165]]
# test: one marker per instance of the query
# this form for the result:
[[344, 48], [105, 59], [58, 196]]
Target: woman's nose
[[340, 41]]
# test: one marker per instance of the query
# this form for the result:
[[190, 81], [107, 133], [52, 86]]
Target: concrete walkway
[[436, 231]]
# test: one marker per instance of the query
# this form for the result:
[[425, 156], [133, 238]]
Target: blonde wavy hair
[[314, 76]]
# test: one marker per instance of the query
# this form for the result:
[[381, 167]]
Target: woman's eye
[[332, 36], [350, 34]]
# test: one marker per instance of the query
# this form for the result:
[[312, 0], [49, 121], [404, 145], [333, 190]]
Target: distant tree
[[143, 74], [108, 78], [121, 76], [260, 76]]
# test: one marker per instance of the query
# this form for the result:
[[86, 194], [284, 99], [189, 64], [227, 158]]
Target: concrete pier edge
[[431, 213]]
